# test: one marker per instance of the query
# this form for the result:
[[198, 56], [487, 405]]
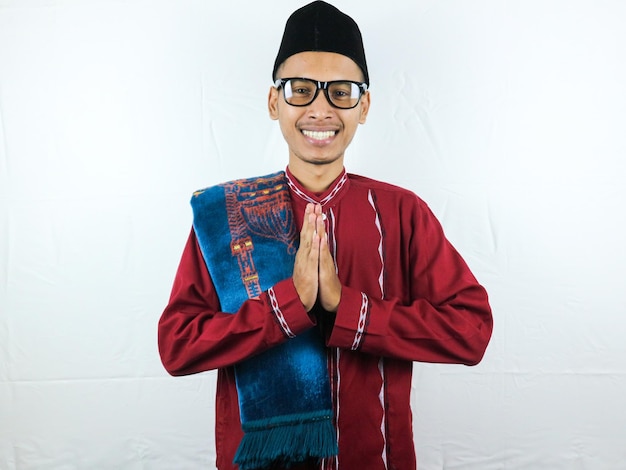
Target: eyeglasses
[[342, 94]]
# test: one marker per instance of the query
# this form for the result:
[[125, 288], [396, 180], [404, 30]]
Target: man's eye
[[301, 91], [342, 93]]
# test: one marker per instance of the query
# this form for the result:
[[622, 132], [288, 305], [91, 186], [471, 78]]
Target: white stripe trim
[[340, 184], [333, 239], [279, 314], [360, 329], [380, 246], [298, 192], [381, 398], [335, 190]]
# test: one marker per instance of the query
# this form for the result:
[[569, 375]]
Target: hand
[[305, 269], [329, 286], [314, 273]]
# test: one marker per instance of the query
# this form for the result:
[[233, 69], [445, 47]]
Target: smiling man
[[313, 290], [318, 117]]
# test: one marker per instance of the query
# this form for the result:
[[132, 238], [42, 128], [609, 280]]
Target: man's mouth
[[319, 135]]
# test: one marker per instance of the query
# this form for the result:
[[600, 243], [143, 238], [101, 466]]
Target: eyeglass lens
[[301, 92]]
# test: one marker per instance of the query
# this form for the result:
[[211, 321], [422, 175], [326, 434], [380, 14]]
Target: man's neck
[[316, 178]]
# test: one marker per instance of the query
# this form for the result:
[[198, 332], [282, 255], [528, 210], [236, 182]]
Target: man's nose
[[320, 106]]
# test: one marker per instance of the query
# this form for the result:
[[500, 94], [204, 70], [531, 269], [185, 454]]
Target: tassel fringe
[[286, 442]]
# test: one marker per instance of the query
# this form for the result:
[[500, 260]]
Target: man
[[373, 277]]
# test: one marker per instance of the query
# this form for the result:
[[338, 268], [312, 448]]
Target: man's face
[[317, 134]]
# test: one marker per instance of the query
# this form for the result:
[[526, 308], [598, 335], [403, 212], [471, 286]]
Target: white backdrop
[[507, 117]]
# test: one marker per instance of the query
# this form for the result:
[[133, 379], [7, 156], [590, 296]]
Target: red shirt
[[407, 295]]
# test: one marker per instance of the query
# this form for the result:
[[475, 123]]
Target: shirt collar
[[327, 197]]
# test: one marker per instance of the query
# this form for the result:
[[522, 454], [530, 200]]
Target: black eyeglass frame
[[280, 82]]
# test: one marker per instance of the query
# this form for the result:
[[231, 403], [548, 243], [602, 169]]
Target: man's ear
[[365, 107], [272, 103]]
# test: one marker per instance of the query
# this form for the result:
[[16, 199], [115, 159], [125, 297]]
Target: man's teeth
[[317, 135]]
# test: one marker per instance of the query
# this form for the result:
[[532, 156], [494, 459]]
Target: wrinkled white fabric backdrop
[[507, 117]]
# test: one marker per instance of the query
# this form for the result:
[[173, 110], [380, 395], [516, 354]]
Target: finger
[[308, 226], [315, 247], [329, 284], [305, 273], [309, 210], [326, 259], [320, 226]]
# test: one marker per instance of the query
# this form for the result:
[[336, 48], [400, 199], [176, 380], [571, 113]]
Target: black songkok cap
[[321, 27]]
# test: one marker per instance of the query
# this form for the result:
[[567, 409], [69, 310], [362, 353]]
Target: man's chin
[[326, 160], [320, 162]]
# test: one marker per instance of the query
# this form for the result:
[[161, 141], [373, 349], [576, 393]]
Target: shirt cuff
[[288, 310], [353, 320]]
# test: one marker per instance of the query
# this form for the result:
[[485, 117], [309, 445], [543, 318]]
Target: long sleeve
[[195, 336], [425, 305], [456, 329]]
